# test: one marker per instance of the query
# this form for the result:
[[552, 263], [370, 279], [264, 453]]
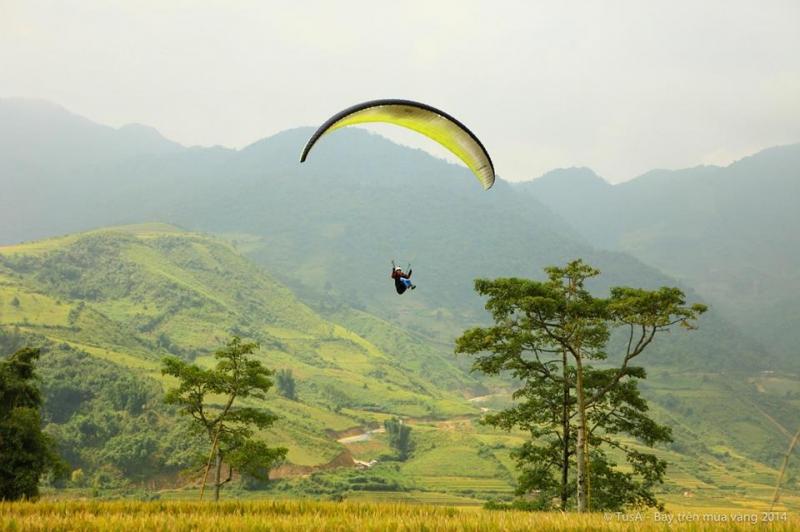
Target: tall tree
[[209, 396], [541, 327], [546, 461], [286, 384], [399, 437], [26, 453]]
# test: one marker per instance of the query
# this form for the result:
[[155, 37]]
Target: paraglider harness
[[402, 281]]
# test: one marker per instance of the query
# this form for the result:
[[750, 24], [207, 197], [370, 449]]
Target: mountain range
[[729, 232], [327, 228], [252, 241]]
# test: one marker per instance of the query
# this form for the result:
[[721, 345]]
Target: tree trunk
[[580, 444], [217, 471], [565, 428]]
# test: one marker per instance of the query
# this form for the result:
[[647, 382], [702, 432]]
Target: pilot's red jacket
[[396, 274]]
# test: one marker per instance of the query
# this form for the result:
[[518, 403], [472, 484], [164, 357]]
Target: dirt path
[[774, 421], [364, 436], [764, 413]]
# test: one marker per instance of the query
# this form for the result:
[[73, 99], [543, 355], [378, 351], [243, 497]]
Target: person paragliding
[[425, 120], [402, 280]]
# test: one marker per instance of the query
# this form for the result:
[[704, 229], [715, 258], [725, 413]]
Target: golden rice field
[[132, 516]]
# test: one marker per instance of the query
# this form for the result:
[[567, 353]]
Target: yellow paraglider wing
[[422, 118]]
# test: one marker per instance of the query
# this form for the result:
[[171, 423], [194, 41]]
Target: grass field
[[308, 515]]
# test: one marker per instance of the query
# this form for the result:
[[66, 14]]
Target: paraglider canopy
[[419, 117]]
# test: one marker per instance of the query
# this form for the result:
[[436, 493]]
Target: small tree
[[286, 384], [229, 428], [399, 437], [26, 453], [78, 478]]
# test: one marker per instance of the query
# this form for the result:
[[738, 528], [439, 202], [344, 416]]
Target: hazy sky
[[622, 87]]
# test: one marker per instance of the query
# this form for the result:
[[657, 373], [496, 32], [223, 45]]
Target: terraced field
[[126, 297], [131, 295]]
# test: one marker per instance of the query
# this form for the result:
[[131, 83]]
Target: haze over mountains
[[327, 230], [731, 233], [334, 222], [328, 227]]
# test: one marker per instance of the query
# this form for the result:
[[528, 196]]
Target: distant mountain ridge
[[329, 227], [733, 232], [31, 125]]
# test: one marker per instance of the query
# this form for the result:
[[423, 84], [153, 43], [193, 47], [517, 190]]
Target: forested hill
[[329, 227], [731, 233], [109, 304]]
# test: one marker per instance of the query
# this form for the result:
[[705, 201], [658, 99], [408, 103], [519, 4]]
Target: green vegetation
[[572, 410], [286, 384], [228, 426], [168, 292], [108, 421], [26, 453], [106, 306], [399, 437]]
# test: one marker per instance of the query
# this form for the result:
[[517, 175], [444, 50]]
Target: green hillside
[[133, 294], [108, 304]]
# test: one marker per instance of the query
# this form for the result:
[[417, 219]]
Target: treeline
[[100, 427], [105, 429], [109, 425]]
